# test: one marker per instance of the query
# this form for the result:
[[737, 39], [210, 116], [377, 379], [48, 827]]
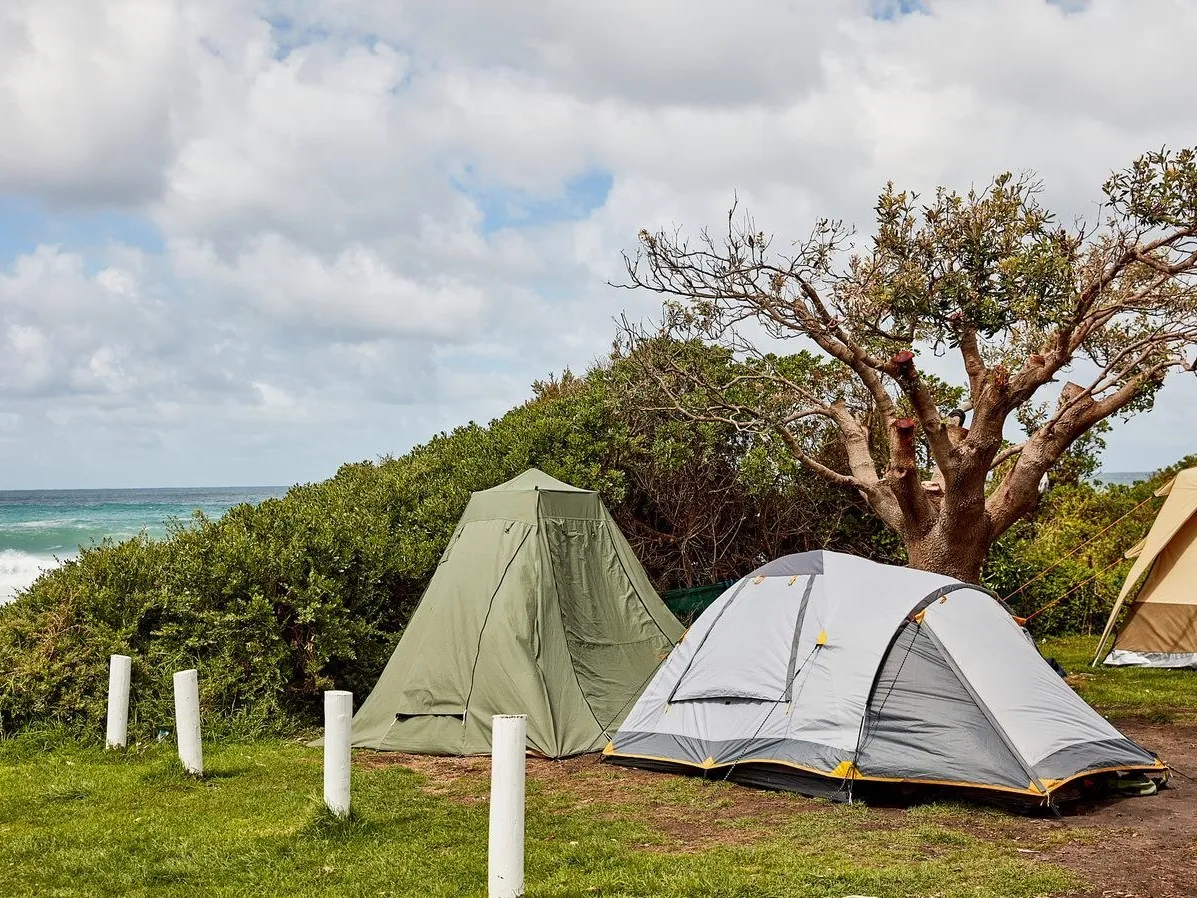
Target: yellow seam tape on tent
[[610, 748], [845, 769], [708, 763], [860, 776], [822, 640], [1055, 784]]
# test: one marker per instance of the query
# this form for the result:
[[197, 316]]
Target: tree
[[988, 275]]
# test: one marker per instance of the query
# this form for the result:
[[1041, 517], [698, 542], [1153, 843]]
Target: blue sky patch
[[886, 10], [1070, 6], [288, 35], [25, 224], [504, 208]]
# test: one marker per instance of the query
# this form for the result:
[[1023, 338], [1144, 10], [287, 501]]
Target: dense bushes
[[1071, 553], [276, 602]]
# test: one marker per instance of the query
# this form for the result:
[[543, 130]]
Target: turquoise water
[[39, 528]]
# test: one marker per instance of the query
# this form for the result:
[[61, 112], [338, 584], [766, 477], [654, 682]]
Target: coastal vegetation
[[991, 281], [278, 601], [713, 455]]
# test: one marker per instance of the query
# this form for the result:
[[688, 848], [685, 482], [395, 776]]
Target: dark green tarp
[[688, 604], [538, 607]]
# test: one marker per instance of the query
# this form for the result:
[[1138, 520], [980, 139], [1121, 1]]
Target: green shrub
[[276, 602], [1067, 562]]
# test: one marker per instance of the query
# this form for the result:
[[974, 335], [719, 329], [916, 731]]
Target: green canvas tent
[[537, 607]]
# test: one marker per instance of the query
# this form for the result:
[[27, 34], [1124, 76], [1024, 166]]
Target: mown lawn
[[1156, 696], [81, 822], [75, 820]]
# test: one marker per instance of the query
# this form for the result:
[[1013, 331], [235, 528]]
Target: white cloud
[[354, 293], [325, 290], [88, 92]]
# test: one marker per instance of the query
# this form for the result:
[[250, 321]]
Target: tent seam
[[632, 583], [548, 554], [984, 708], [482, 630], [791, 669]]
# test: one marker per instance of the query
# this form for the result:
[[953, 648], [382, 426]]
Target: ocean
[[40, 528], [1125, 478]]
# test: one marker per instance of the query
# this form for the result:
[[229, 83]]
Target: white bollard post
[[187, 721], [338, 715], [120, 669], [505, 861]]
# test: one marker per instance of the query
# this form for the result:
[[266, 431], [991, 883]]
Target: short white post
[[187, 721], [505, 862], [338, 715], [120, 668]]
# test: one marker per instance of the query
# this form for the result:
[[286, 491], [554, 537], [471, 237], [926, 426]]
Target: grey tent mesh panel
[[922, 723]]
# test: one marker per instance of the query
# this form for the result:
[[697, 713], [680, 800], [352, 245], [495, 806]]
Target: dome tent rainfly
[[1161, 626], [538, 607], [824, 673]]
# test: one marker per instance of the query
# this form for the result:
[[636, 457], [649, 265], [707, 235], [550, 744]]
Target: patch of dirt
[[710, 814], [1125, 847], [1140, 847]]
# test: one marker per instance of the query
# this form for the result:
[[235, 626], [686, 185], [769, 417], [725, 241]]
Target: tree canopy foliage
[[1021, 300]]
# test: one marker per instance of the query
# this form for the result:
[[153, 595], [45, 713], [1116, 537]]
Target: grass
[[79, 821], [76, 821], [1156, 696]]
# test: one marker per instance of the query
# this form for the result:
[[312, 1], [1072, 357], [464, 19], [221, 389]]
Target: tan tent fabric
[[1163, 617]]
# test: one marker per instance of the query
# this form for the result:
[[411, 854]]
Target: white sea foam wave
[[19, 569]]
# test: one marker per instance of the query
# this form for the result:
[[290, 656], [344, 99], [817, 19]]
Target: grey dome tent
[[823, 673], [538, 607]]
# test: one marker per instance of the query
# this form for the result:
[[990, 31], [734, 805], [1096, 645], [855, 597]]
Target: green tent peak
[[535, 479]]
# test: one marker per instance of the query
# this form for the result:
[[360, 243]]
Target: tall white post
[[505, 862], [120, 669], [187, 721], [338, 715]]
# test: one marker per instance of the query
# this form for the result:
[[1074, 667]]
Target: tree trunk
[[960, 557], [950, 534]]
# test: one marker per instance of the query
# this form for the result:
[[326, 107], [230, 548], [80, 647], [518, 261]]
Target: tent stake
[[187, 721], [338, 714], [505, 860], [119, 674]]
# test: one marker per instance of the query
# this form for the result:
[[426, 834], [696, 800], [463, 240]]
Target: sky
[[244, 241]]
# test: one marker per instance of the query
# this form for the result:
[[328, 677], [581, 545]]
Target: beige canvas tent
[[1161, 626]]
